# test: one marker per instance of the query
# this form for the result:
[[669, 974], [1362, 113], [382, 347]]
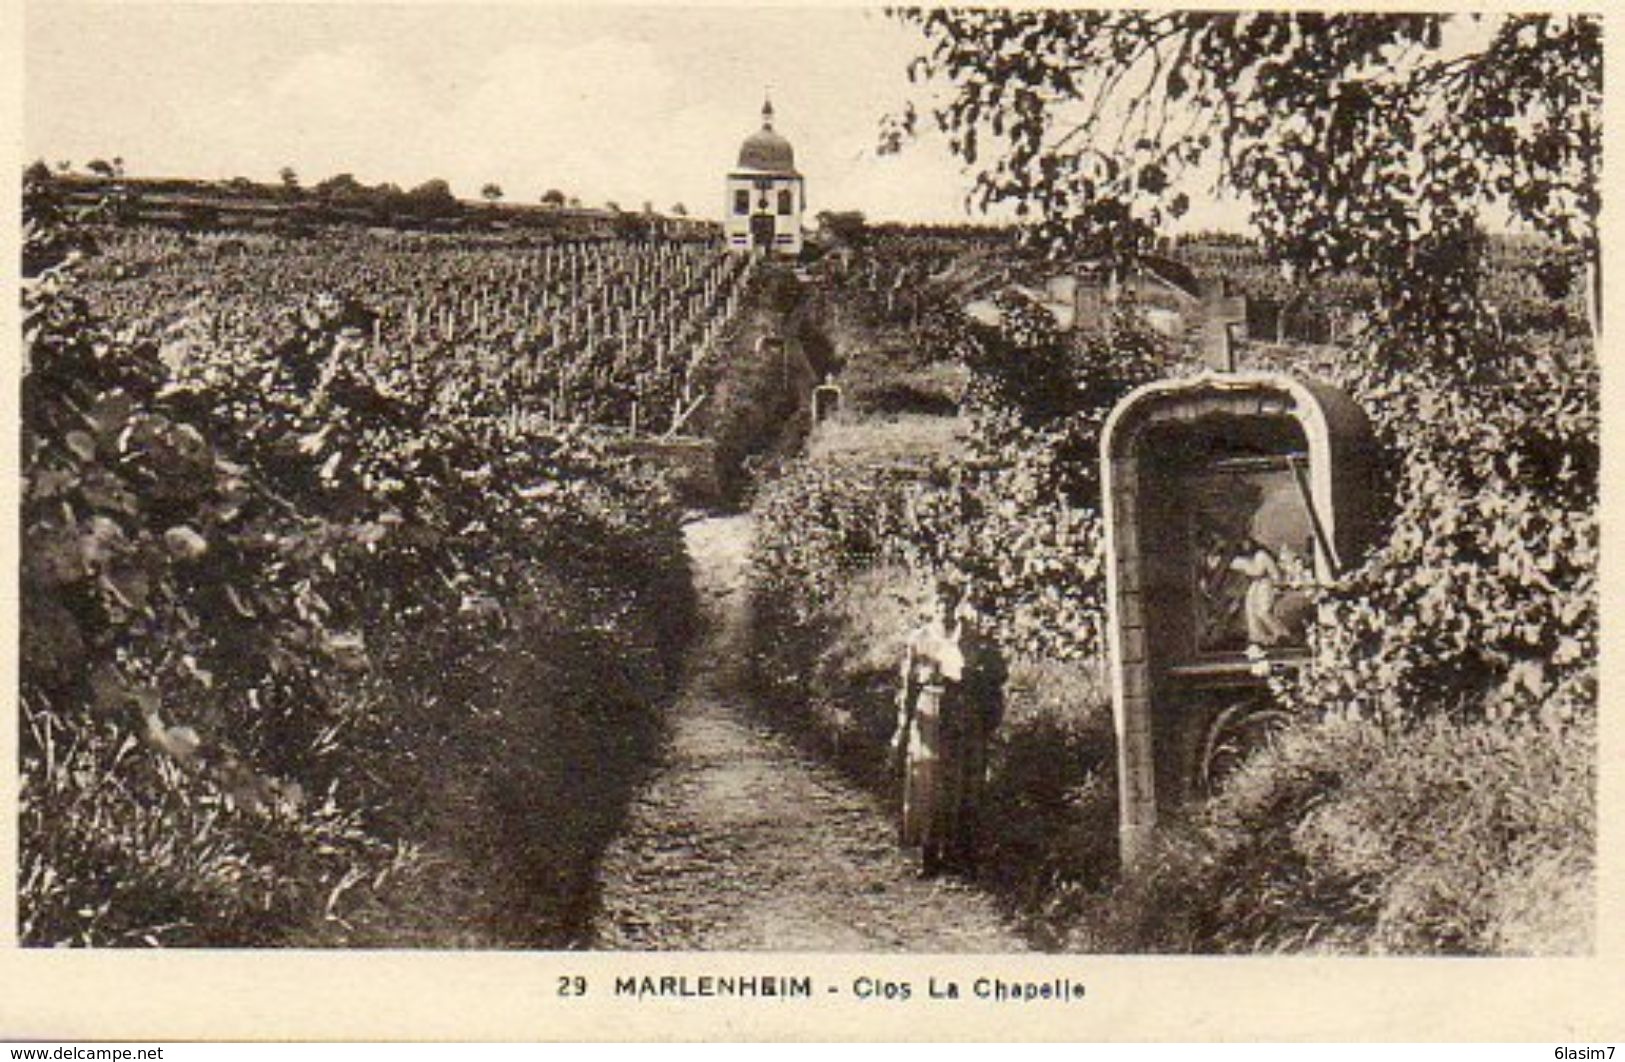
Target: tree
[[1362, 141], [102, 168], [491, 193], [678, 210], [386, 200], [290, 182], [553, 198], [432, 198], [38, 170]]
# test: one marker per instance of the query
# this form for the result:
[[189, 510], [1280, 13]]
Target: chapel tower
[[766, 196]]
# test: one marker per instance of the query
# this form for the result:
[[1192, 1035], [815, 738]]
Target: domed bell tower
[[766, 196]]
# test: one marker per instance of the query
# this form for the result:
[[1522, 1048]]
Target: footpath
[[741, 842]]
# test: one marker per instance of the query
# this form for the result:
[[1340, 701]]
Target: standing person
[[951, 700]]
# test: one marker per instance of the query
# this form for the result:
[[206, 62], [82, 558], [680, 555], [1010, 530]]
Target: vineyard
[[604, 332], [1073, 480], [333, 598]]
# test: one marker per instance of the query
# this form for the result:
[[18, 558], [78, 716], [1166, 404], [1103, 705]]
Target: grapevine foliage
[[256, 573], [1018, 516], [1022, 517], [1482, 597]]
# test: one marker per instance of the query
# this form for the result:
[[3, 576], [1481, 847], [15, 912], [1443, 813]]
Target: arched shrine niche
[[1229, 497]]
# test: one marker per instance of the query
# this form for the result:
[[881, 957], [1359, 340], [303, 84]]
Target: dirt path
[[741, 843]]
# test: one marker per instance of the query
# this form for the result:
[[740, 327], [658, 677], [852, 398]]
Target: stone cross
[[826, 402], [1220, 314]]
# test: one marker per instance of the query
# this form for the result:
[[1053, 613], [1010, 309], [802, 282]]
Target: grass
[[907, 438], [1459, 838]]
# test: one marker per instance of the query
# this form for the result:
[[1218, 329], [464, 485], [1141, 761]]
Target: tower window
[[785, 203], [742, 201]]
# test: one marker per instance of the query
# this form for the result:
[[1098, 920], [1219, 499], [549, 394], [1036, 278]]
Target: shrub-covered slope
[[303, 663], [1438, 777]]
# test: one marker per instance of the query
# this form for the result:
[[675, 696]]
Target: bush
[[758, 409], [265, 597], [932, 390], [817, 524], [1022, 517]]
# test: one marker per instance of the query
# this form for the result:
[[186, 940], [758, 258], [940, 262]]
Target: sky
[[604, 103]]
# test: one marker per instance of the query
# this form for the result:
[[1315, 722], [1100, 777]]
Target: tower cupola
[[766, 194]]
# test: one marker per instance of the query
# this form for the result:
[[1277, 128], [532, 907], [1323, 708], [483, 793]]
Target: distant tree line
[[431, 199], [289, 204]]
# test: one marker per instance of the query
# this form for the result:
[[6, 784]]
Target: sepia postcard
[[542, 521]]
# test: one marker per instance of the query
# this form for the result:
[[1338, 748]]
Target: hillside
[[974, 450]]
